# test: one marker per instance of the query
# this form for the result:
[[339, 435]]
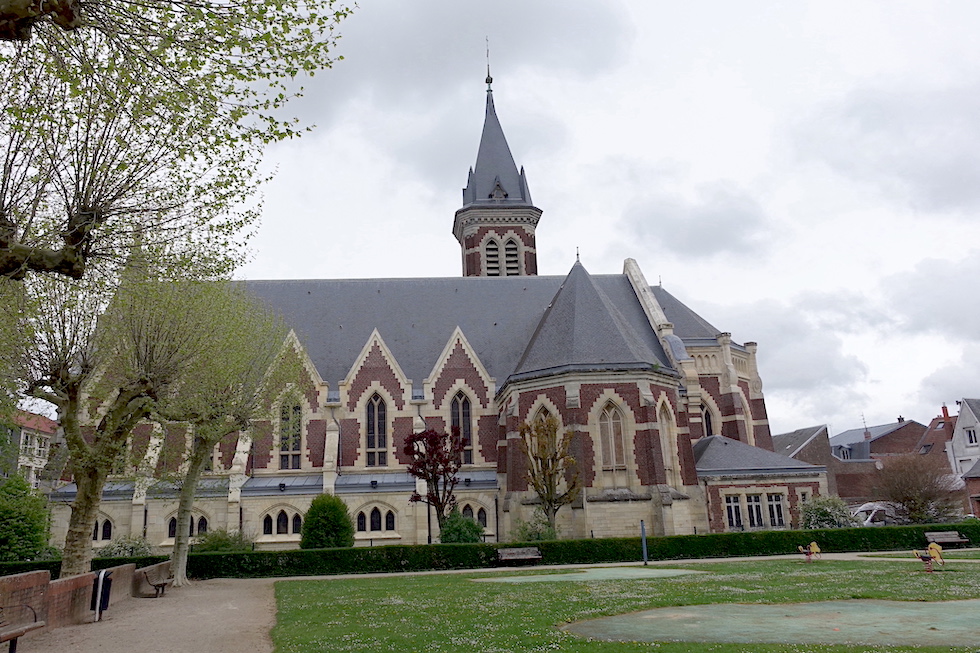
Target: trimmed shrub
[[536, 529], [130, 546], [460, 530], [327, 524], [220, 540], [826, 512]]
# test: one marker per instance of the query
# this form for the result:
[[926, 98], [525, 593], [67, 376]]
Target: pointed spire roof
[[582, 330], [495, 180]]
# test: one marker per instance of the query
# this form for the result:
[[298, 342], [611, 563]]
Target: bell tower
[[495, 227]]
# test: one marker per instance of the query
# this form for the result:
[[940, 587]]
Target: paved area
[[232, 615]]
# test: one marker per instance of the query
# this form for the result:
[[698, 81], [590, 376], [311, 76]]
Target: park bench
[[159, 584], [519, 553], [946, 537], [11, 628]]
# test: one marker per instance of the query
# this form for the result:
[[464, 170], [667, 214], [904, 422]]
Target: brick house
[[652, 392]]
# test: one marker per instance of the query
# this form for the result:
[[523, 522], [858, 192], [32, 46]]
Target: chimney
[[945, 413], [900, 419]]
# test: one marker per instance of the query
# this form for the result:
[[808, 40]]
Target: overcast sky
[[803, 175]]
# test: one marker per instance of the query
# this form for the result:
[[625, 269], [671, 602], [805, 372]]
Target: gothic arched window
[[266, 525], [461, 418], [290, 436], [481, 516], [390, 521], [611, 438], [375, 519], [377, 432], [297, 524], [282, 523], [202, 525]]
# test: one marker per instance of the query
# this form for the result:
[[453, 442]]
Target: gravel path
[[216, 616]]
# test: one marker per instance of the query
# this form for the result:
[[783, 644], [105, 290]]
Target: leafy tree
[[458, 529], [826, 512], [327, 524], [238, 366], [921, 488], [147, 122], [23, 521], [551, 471], [436, 458]]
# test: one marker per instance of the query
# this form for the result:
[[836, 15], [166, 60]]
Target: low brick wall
[[29, 588], [68, 600]]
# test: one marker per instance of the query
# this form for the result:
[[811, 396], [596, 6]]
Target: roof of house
[[718, 455], [857, 435], [935, 438], [974, 406], [790, 444], [973, 472], [36, 422], [499, 316]]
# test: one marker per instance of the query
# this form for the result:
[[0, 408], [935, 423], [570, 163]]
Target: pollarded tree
[[241, 361], [208, 78], [921, 488], [107, 359], [327, 524], [436, 459], [551, 470]]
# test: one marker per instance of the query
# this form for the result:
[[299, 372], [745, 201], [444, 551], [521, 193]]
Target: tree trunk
[[200, 449], [77, 556]]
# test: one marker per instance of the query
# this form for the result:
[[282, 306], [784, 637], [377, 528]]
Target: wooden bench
[[11, 629], [159, 585], [946, 537], [519, 554]]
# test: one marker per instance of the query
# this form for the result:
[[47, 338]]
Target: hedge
[[260, 564]]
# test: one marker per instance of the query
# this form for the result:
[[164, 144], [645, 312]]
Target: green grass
[[450, 613], [948, 554]]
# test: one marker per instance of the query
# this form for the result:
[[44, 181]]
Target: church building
[[667, 411]]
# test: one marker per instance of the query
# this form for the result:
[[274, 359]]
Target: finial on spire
[[489, 78], [577, 260]]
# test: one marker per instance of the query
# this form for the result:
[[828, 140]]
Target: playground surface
[[872, 622]]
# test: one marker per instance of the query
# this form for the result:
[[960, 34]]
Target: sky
[[803, 175]]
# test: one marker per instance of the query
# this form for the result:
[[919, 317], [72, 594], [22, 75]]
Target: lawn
[[450, 613]]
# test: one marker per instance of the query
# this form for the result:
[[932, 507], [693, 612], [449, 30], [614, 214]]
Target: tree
[[238, 366], [826, 512], [921, 488], [460, 530], [436, 458], [141, 98], [551, 471], [107, 359], [327, 524], [23, 521]]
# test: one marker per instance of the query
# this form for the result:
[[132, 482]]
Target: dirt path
[[217, 616]]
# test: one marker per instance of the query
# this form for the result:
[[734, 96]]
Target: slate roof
[[111, 491], [333, 319], [857, 435], [583, 330], [973, 472], [790, 444], [292, 484], [974, 405], [495, 163], [717, 455], [687, 324]]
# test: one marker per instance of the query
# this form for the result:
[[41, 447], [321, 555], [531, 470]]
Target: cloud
[[938, 296], [920, 147], [955, 380], [720, 219]]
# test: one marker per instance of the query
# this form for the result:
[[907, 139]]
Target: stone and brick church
[[667, 411]]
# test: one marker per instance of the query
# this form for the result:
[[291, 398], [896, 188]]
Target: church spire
[[496, 223], [495, 179]]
